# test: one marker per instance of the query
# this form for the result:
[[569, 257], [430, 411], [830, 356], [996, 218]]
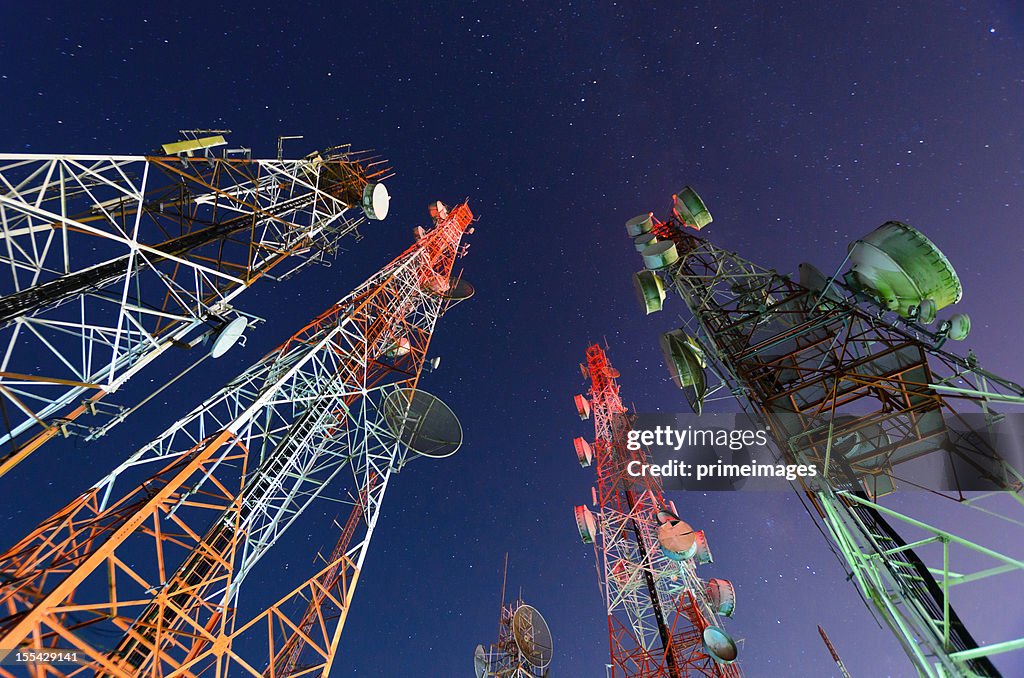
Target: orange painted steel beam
[[45, 573]]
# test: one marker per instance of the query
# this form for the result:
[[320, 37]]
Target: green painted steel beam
[[988, 650], [985, 395], [1013, 562]]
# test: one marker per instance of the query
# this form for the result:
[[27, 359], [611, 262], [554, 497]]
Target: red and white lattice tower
[[662, 618], [141, 574]]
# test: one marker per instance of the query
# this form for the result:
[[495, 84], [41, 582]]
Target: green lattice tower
[[859, 385]]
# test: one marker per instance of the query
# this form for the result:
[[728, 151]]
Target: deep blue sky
[[803, 126]]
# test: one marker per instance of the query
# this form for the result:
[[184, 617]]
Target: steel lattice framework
[[826, 366], [310, 642], [658, 608], [506, 658], [153, 555], [113, 260]]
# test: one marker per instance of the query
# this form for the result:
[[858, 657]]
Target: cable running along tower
[[850, 373], [111, 261], [662, 618], [141, 574]]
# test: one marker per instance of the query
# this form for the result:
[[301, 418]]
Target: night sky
[[803, 127]]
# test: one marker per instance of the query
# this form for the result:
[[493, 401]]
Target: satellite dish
[[434, 363], [586, 523], [228, 336], [532, 636], [640, 224], [480, 663], [703, 554], [660, 255], [719, 645], [650, 290], [582, 406], [685, 361], [399, 347], [455, 290], [722, 596], [667, 516], [376, 201], [690, 209], [899, 266], [812, 278], [642, 242], [816, 281], [584, 453], [460, 291], [437, 210], [423, 423], [678, 540], [926, 312], [957, 327]]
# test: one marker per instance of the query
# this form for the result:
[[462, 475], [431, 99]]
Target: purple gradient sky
[[803, 125]]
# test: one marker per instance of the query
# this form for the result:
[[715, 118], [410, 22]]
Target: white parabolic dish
[[376, 201], [227, 337], [532, 636], [480, 667]]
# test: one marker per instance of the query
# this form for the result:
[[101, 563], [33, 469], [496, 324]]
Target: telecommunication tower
[[662, 618], [524, 648], [114, 260], [140, 575], [848, 374]]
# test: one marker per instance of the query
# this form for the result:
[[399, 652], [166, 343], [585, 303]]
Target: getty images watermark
[[717, 451], [728, 466]]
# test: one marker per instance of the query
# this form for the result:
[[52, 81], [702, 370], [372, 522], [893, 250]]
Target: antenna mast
[[524, 648], [662, 618], [111, 261], [847, 375], [140, 575]]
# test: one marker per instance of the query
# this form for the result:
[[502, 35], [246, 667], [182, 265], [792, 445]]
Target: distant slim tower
[[662, 618], [832, 651], [111, 261], [850, 375], [141, 574], [524, 648]]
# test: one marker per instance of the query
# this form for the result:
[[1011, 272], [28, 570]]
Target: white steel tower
[[140, 575], [110, 261]]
